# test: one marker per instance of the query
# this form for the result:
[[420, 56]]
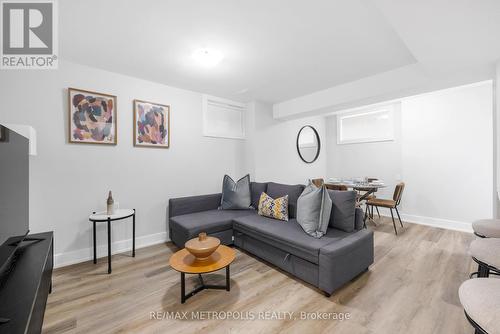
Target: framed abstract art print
[[151, 124], [92, 117]]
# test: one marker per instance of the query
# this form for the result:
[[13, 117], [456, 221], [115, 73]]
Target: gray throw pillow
[[256, 189], [343, 210], [314, 207], [276, 190], [236, 195]]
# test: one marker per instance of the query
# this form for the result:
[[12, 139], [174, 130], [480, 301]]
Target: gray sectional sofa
[[327, 263]]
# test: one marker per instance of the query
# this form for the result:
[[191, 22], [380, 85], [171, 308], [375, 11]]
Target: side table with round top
[[120, 214], [186, 263]]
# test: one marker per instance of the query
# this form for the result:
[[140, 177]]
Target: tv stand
[[24, 288]]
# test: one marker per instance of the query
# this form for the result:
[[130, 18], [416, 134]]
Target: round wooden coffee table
[[185, 263]]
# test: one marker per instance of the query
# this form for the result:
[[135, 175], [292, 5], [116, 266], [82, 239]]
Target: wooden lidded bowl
[[202, 247]]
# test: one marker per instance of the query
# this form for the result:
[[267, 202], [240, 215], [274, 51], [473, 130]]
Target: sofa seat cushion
[[211, 221], [288, 236]]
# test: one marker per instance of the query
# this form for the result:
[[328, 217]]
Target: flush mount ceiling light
[[207, 57]]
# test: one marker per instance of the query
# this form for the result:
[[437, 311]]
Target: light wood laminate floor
[[411, 288]]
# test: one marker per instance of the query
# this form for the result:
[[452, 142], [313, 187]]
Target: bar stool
[[486, 253], [480, 298], [487, 228]]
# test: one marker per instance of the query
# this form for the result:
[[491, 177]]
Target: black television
[[14, 193]]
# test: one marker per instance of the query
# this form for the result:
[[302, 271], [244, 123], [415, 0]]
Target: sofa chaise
[[327, 263]]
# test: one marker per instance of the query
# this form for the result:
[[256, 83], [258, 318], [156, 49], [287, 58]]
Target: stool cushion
[[489, 228], [486, 250], [480, 298]]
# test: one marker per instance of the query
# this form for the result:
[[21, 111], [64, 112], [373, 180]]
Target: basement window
[[367, 125], [223, 118]]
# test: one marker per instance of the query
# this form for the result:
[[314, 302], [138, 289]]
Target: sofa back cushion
[[256, 189], [343, 210], [276, 190], [236, 195]]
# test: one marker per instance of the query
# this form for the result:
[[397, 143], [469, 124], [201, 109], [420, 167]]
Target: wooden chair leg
[[378, 213], [399, 217], [394, 223]]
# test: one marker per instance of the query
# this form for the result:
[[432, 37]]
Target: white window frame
[[227, 104], [387, 109]]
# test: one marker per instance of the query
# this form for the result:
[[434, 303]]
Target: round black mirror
[[308, 144]]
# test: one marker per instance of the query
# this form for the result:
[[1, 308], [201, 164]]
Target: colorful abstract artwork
[[92, 117], [151, 124]]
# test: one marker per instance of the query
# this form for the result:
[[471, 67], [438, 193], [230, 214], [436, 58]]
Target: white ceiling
[[280, 49]]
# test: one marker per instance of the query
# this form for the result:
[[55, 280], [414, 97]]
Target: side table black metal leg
[[228, 279], [52, 255], [133, 235], [95, 245], [109, 246], [183, 288]]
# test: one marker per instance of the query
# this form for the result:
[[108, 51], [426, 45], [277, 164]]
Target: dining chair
[[340, 187], [318, 182], [389, 203]]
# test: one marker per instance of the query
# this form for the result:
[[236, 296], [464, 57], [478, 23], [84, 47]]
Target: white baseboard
[[86, 254], [431, 221]]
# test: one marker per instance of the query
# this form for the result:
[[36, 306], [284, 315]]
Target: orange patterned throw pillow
[[273, 208]]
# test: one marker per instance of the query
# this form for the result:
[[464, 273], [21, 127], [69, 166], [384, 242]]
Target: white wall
[[443, 152], [496, 133], [376, 159], [272, 151], [448, 145], [68, 181]]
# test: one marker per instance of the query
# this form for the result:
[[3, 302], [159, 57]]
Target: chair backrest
[[398, 192], [340, 187], [318, 182]]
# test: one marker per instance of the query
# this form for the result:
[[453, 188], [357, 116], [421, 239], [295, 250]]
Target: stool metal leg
[[133, 235], [109, 246], [483, 271], [95, 244]]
